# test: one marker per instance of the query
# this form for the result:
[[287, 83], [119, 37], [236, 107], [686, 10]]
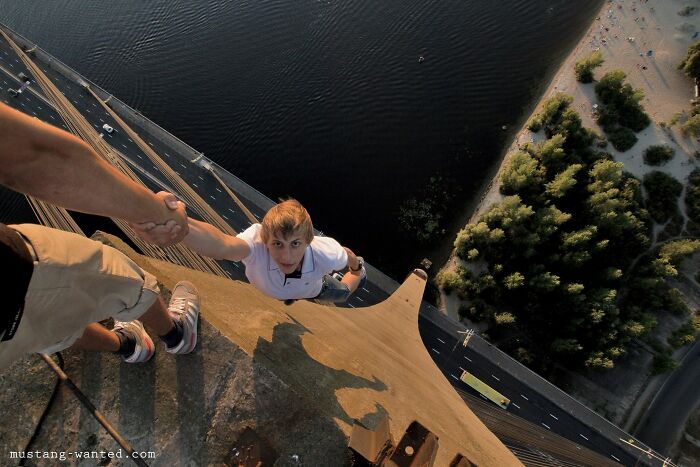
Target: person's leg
[[97, 338], [176, 326], [157, 318], [333, 290], [128, 338], [76, 282]]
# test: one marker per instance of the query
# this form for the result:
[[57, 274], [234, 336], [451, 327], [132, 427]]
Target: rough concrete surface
[[297, 376]]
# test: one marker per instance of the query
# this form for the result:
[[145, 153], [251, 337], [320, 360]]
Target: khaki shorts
[[76, 281]]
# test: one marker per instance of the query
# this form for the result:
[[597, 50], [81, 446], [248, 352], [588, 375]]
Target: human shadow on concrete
[[312, 409], [287, 357]]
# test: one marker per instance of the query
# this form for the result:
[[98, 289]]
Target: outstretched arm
[[352, 278], [207, 240], [40, 160], [202, 238]]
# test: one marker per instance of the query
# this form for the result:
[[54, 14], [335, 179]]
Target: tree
[[620, 107], [478, 235], [449, 281], [549, 220], [563, 181], [514, 280], [678, 250], [692, 196], [622, 138], [692, 126], [691, 62], [658, 154], [662, 192], [522, 175], [551, 154], [599, 361], [585, 66]]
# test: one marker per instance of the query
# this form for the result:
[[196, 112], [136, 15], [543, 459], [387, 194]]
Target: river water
[[328, 101]]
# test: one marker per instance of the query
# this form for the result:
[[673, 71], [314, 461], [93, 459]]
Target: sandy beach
[[625, 31], [647, 40]]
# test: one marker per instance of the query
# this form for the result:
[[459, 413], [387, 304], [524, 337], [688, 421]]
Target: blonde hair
[[286, 218]]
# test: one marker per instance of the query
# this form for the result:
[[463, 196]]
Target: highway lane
[[665, 418], [453, 358]]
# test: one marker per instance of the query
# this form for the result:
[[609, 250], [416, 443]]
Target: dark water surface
[[326, 100]]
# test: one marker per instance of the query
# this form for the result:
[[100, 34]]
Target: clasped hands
[[173, 231]]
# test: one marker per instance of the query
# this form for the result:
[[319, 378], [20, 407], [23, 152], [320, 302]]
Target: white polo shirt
[[323, 256]]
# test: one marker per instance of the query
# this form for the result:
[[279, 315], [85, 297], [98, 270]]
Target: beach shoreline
[[647, 40], [659, 108]]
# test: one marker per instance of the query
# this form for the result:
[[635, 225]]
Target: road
[[668, 412]]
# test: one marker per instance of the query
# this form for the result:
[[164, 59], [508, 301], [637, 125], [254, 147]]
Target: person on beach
[[59, 285], [282, 256]]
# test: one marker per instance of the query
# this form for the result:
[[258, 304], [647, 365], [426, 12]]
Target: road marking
[[195, 185], [583, 437], [468, 359], [495, 378], [166, 154], [461, 368], [545, 425], [212, 197], [232, 210], [515, 405], [454, 376], [351, 305], [150, 144], [441, 340], [485, 398], [223, 215], [613, 456], [124, 146], [218, 190], [139, 156], [524, 397], [435, 351], [359, 299], [555, 418], [363, 288], [200, 177]]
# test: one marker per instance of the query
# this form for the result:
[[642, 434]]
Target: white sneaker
[[184, 306], [144, 349]]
